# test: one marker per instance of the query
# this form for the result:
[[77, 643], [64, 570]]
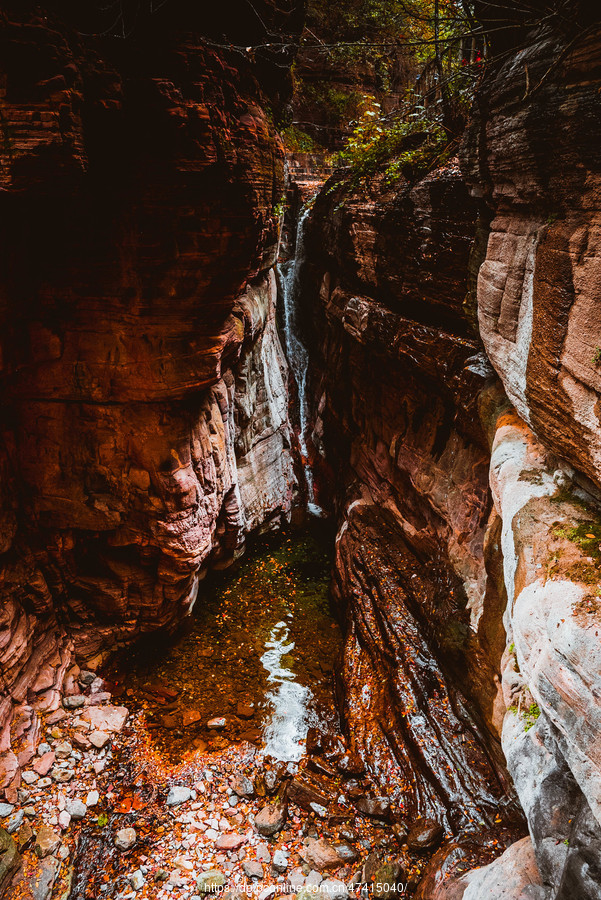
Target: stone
[[319, 854], [271, 819], [296, 878], [217, 724], [44, 763], [507, 878], [245, 710], [64, 819], [86, 677], [425, 835], [382, 877], [6, 809], [252, 869], [92, 798], [36, 880], [81, 740], [99, 739], [61, 776], [109, 719], [137, 880], [350, 764], [230, 841], [346, 852], [178, 794], [262, 853], [9, 859], [125, 839], [14, 822], [374, 807], [190, 716], [46, 841], [75, 701], [210, 882], [313, 879], [308, 789], [44, 748], [332, 889], [63, 750], [279, 861], [29, 777], [76, 809], [186, 865]]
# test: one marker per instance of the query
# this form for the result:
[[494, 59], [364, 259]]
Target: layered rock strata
[[144, 424], [395, 380]]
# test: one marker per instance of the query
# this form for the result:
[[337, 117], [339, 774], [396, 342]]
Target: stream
[[255, 662]]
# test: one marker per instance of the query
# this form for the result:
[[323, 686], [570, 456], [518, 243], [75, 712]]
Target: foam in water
[[286, 732]]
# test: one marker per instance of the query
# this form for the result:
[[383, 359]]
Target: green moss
[[586, 535], [530, 716], [597, 356]]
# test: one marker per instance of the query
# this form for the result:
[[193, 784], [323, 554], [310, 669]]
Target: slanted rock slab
[[106, 718]]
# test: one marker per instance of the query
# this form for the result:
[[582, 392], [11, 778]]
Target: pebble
[[210, 881], [217, 724], [271, 819], [332, 889], [262, 853], [184, 864], [75, 701], [76, 809], [125, 838], [63, 750], [252, 868], [92, 798], [99, 739], [6, 809], [30, 777], [46, 841], [179, 794], [64, 819], [137, 880], [15, 821], [44, 748], [279, 861]]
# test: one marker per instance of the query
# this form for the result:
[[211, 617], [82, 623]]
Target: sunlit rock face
[[533, 153], [395, 380], [144, 423]]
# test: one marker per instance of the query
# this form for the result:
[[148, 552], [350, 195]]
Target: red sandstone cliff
[[144, 424]]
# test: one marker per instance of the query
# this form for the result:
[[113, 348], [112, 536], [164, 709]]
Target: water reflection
[[285, 730]]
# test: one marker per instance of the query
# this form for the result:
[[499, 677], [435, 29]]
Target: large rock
[[513, 876], [9, 859]]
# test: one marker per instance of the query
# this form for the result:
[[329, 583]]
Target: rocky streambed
[[216, 762]]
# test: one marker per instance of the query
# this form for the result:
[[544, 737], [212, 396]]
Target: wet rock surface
[[395, 377]]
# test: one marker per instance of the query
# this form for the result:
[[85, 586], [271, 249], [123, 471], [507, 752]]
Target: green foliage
[[530, 716], [397, 148], [102, 820], [597, 356], [298, 141]]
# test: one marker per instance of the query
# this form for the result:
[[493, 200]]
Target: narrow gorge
[[300, 450]]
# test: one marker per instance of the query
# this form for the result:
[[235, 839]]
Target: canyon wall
[[396, 374], [469, 618], [144, 427]]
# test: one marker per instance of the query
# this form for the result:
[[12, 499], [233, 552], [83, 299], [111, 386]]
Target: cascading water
[[296, 352]]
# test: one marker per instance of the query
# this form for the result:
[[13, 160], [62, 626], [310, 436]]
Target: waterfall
[[296, 352]]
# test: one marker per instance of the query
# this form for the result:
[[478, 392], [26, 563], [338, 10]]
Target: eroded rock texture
[[144, 423], [533, 153], [395, 382]]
